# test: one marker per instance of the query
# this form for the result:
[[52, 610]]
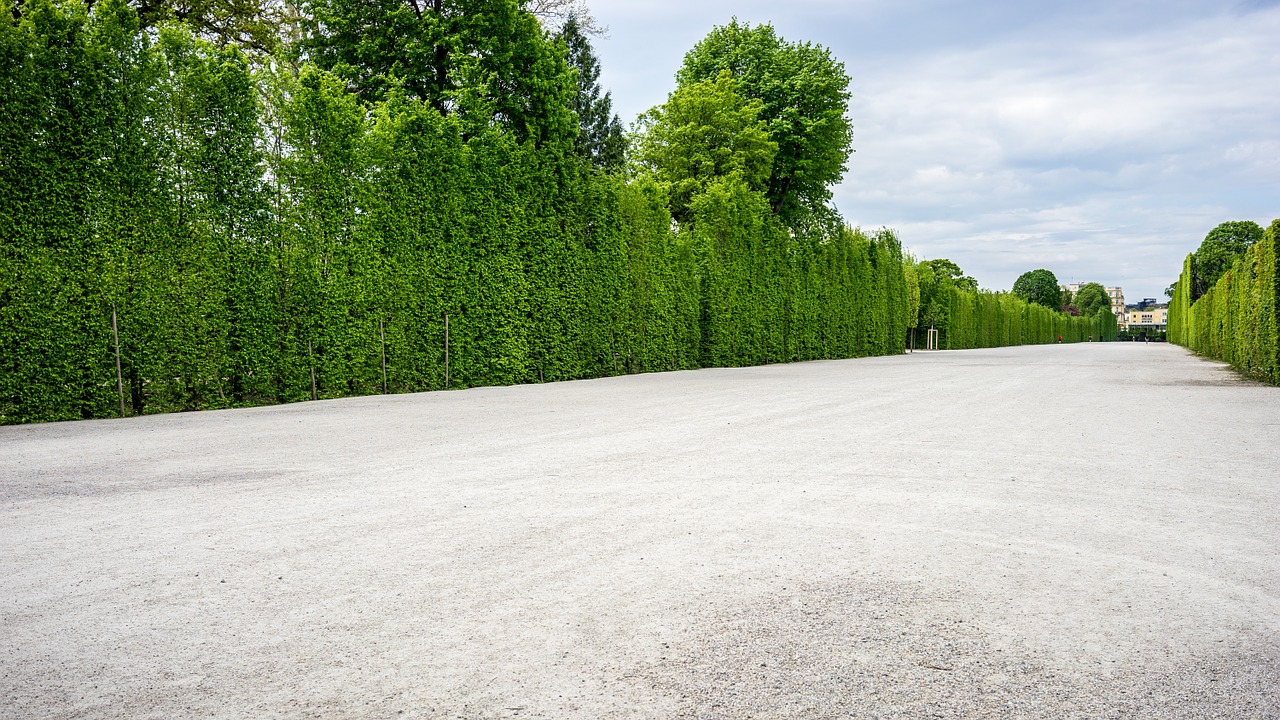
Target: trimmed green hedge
[[250, 233], [986, 319], [262, 236], [1235, 321]]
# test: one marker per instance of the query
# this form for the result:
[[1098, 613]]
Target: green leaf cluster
[[254, 25], [487, 61], [1219, 250], [705, 133]]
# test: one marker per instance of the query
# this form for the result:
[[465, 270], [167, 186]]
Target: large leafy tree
[[804, 95], [947, 271], [1092, 299], [600, 140], [488, 61], [938, 279], [1040, 287], [705, 131], [1219, 249]]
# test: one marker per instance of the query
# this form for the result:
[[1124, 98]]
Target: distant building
[[1117, 306], [1147, 315], [1117, 300]]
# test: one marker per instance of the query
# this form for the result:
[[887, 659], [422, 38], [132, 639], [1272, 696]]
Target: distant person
[[1059, 339]]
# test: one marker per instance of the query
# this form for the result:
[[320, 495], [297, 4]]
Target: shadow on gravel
[[1224, 377], [871, 649]]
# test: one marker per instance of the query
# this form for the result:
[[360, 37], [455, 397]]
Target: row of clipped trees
[[1234, 319], [943, 298], [186, 229], [984, 319]]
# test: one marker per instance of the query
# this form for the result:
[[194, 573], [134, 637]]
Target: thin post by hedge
[[115, 333], [382, 335], [311, 361]]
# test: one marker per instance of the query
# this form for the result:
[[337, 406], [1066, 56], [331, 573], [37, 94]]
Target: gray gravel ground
[[1087, 531]]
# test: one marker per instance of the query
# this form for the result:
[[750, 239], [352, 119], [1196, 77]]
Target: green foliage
[[911, 275], [966, 317], [600, 140], [1092, 299], [486, 61], [1219, 251], [49, 148], [254, 25], [255, 236], [1235, 319], [981, 319], [804, 95], [704, 134], [935, 281], [946, 271], [1039, 287]]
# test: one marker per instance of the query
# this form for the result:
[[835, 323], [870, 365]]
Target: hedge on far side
[[1235, 321], [986, 319]]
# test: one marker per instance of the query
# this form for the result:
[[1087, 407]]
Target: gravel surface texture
[[1078, 531]]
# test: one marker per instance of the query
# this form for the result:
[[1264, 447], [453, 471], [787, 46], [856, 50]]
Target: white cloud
[[1109, 157]]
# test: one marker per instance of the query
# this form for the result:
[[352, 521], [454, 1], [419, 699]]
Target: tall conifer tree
[[600, 139]]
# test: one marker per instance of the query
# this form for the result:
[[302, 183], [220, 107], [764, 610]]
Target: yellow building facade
[[1152, 318]]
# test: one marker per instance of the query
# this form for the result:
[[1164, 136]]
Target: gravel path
[[1080, 531]]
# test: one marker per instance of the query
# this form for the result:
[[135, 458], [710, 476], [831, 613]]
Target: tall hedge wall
[[997, 319], [260, 236], [1235, 321]]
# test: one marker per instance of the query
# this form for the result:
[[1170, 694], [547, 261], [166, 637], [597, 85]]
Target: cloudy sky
[[1099, 139]]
